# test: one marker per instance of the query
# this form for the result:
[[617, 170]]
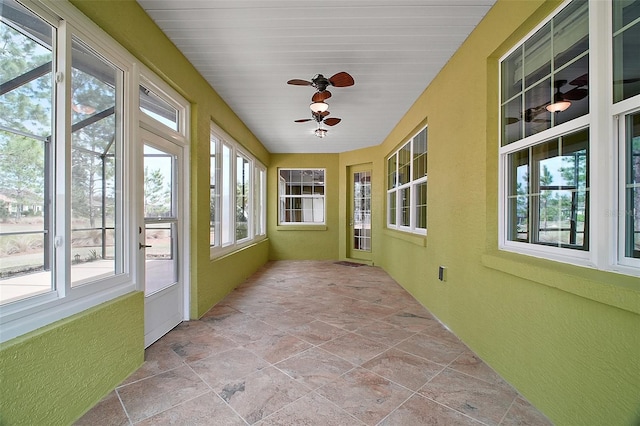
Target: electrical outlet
[[442, 276]]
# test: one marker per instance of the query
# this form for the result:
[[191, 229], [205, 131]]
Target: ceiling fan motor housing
[[320, 82]]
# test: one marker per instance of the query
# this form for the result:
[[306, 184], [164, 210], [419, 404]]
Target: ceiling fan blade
[[512, 120], [575, 94], [341, 79], [303, 120], [321, 96], [332, 121], [583, 80], [320, 114], [298, 82]]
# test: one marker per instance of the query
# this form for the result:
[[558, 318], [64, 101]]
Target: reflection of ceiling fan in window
[[561, 101]]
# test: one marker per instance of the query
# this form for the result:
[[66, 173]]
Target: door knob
[[140, 246]]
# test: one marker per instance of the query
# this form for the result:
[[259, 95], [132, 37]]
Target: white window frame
[[225, 207], [24, 315], [282, 196], [606, 160], [411, 184]]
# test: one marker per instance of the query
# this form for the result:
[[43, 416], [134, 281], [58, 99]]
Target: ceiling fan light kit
[[319, 108], [321, 133]]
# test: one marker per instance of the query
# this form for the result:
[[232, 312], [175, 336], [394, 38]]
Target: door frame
[[365, 257], [184, 211]]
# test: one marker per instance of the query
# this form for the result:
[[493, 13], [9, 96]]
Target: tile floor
[[313, 343]]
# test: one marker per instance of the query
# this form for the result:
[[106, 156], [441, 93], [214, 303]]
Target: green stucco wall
[[304, 241], [568, 338], [53, 375]]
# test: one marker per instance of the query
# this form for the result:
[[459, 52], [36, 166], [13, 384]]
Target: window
[[557, 154], [64, 202], [302, 196], [407, 186], [237, 195]]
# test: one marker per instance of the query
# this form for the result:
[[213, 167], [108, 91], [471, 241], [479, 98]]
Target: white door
[[161, 239]]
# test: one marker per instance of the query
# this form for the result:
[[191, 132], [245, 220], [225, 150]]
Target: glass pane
[[26, 116], [391, 199], [537, 56], [243, 189], [405, 207], [548, 193], [392, 179], [404, 164], [213, 194], [421, 205], [570, 33], [158, 109], [511, 74], [227, 196], [158, 183], [632, 187], [626, 45], [161, 264], [362, 211], [95, 165], [512, 123], [420, 155], [572, 84], [518, 197], [536, 116]]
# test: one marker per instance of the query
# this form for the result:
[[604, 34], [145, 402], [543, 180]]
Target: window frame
[[282, 196], [67, 298], [394, 221], [224, 227], [606, 167]]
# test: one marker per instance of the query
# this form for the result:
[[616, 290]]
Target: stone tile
[[442, 333], [470, 364], [311, 410], [317, 332], [108, 412], [422, 411], [365, 395], [405, 369], [384, 332], [158, 358], [354, 348], [202, 345], [227, 366], [285, 320], [432, 348], [411, 321], [315, 367], [153, 395], [521, 413], [258, 395], [476, 398], [275, 348], [200, 411], [249, 330]]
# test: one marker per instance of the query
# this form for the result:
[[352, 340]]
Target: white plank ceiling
[[249, 49]]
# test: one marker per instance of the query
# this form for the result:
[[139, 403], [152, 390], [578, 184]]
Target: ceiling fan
[[320, 82], [319, 117]]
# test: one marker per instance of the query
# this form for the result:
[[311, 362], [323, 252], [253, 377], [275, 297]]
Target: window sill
[[301, 228], [610, 288], [418, 240]]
